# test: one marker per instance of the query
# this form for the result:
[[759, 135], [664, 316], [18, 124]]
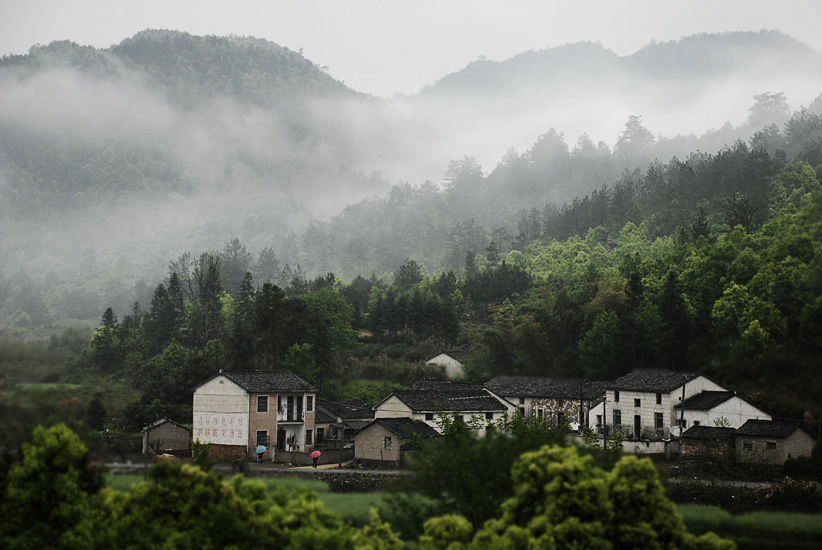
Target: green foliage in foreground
[[48, 503], [561, 500]]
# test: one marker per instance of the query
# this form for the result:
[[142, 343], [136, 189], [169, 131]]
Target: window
[[637, 403], [320, 435], [309, 437], [616, 396], [309, 403], [617, 418], [540, 413], [262, 438], [522, 401], [489, 416], [429, 416], [659, 399], [682, 423], [387, 443], [658, 421], [747, 445], [770, 445], [599, 420], [262, 403], [521, 411]]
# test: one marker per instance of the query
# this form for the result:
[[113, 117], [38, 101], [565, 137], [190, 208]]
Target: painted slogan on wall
[[221, 428]]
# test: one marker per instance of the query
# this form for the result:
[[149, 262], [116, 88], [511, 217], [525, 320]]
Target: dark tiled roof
[[322, 417], [537, 386], [268, 380], [708, 432], [348, 410], [404, 427], [163, 421], [445, 385], [450, 400], [652, 381], [767, 428], [706, 400], [357, 424]]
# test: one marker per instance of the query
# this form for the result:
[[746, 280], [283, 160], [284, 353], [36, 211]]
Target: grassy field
[[756, 530], [353, 507]]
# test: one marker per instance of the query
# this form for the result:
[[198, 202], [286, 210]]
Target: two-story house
[[643, 403], [236, 410]]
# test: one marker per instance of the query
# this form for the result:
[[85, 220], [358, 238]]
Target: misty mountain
[[115, 161], [767, 53], [680, 88]]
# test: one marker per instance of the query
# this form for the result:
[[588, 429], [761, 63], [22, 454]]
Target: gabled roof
[[708, 432], [537, 386], [706, 400], [322, 417], [767, 428], [404, 427], [453, 354], [163, 421], [446, 400], [657, 381], [268, 380], [348, 410]]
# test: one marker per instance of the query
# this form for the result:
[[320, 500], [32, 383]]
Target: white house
[[235, 411], [427, 400], [450, 362], [718, 408], [642, 404]]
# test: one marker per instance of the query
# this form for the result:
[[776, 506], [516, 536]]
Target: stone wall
[[226, 452], [302, 458], [352, 481]]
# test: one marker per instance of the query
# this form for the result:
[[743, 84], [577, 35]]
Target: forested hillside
[[171, 189], [115, 161]]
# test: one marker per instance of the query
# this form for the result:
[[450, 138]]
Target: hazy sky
[[383, 47]]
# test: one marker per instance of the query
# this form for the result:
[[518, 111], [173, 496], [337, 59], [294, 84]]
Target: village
[[278, 418]]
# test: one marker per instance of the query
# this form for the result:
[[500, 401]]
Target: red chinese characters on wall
[[221, 429]]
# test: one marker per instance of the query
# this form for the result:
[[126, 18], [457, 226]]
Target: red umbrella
[[315, 454]]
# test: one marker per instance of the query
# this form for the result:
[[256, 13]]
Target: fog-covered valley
[[115, 162]]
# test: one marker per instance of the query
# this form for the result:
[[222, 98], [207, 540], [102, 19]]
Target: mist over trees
[[189, 195]]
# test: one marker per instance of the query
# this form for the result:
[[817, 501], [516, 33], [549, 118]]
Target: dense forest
[[561, 261]]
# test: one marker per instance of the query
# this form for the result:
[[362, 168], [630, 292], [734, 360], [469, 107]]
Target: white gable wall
[[220, 413], [735, 410], [453, 368], [393, 407]]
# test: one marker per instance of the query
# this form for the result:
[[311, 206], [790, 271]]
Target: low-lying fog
[[239, 170]]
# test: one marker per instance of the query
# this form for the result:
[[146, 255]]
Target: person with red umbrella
[[315, 454]]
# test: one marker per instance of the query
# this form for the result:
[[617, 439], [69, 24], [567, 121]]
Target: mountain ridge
[[668, 58]]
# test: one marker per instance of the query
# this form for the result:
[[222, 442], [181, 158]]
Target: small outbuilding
[[384, 442], [771, 442], [167, 436], [708, 443]]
